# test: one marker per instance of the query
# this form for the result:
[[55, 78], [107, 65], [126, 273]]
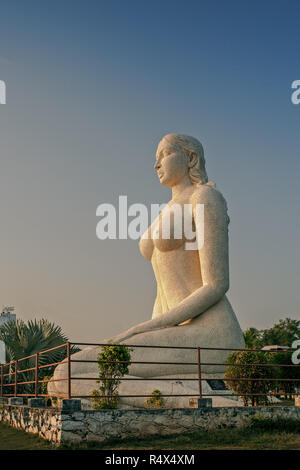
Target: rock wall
[[44, 422], [89, 425]]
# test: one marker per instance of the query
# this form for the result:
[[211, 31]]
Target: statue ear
[[192, 159]]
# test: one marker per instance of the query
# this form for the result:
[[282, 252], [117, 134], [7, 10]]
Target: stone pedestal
[[16, 401], [37, 402], [71, 405]]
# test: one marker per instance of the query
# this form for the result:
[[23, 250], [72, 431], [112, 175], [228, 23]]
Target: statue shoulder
[[209, 195], [206, 193]]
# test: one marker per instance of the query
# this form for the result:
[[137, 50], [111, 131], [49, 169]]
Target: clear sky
[[92, 86]]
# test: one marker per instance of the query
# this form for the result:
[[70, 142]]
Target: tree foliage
[[26, 339], [113, 363], [285, 374], [245, 365], [252, 338], [282, 333]]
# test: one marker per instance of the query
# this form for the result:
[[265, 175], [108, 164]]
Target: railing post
[[199, 372], [16, 376], [69, 370], [1, 385], [36, 375]]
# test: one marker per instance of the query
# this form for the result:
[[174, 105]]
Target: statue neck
[[179, 188]]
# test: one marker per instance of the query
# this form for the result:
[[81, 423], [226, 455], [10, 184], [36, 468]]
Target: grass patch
[[287, 425], [15, 439]]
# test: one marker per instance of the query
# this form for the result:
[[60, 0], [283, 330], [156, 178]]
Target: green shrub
[[100, 403], [156, 400], [283, 373], [113, 363], [243, 365], [258, 422]]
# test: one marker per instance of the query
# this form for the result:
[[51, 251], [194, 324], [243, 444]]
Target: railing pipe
[[36, 375], [17, 369], [199, 372], [69, 371], [16, 376]]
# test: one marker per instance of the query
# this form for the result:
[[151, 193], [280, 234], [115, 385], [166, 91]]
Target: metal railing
[[11, 381]]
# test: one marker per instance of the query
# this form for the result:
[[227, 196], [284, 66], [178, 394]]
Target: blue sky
[[91, 88]]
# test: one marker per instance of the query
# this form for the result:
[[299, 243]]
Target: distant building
[[2, 353], [275, 347], [7, 315]]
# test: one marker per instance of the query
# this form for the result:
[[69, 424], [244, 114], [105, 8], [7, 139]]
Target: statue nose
[[157, 165]]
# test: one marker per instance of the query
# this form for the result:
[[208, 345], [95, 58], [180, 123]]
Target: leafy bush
[[287, 387], [261, 423], [113, 363], [243, 365], [156, 400]]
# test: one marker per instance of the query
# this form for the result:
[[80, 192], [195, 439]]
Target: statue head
[[179, 155]]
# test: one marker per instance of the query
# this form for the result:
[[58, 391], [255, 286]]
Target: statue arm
[[213, 256]]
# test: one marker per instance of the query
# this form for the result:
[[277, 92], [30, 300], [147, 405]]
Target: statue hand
[[135, 330]]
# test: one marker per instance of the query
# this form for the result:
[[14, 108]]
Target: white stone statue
[[191, 307]]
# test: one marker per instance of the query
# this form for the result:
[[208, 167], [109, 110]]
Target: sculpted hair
[[191, 146]]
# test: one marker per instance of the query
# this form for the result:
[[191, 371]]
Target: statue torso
[[176, 269]]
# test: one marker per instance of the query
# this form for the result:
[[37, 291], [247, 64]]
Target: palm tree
[[25, 339], [252, 338]]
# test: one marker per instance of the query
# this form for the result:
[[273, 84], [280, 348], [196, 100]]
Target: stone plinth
[[36, 402], [16, 401], [200, 403]]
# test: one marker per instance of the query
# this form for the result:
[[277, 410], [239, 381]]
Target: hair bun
[[211, 184]]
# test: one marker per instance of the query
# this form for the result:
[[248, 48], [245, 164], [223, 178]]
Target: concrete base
[[16, 401], [200, 403], [170, 386], [37, 402]]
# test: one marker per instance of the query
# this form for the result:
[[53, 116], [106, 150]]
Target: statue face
[[171, 163]]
